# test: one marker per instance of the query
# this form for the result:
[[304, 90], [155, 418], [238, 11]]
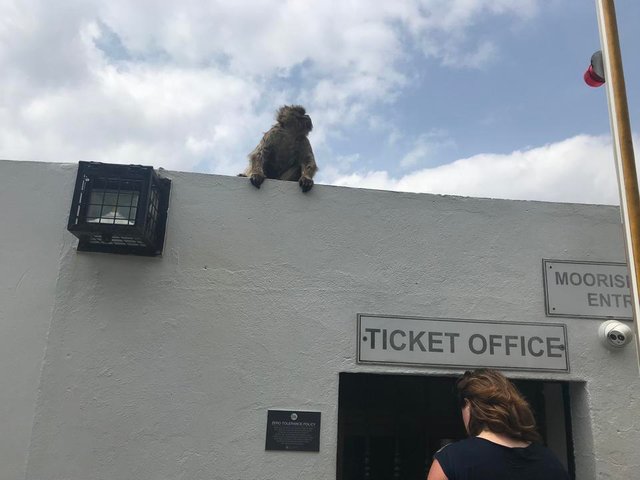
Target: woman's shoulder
[[477, 452], [464, 448], [483, 449], [466, 454], [469, 442], [546, 453]]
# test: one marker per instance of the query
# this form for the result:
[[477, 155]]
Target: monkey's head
[[294, 117]]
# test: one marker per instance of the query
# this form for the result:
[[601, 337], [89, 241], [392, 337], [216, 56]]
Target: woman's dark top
[[478, 459]]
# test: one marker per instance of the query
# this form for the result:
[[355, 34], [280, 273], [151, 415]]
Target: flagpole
[[622, 150]]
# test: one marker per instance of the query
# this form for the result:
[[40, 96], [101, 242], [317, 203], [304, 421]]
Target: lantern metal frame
[[119, 209]]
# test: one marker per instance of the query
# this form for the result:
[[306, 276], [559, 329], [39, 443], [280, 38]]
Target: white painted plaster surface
[[164, 368], [34, 202]]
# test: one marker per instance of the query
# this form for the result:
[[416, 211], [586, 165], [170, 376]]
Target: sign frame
[[462, 366], [547, 306]]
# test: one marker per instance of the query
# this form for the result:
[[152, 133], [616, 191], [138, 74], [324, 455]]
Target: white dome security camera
[[615, 334]]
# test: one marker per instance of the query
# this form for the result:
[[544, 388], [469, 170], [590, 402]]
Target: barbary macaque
[[284, 153]]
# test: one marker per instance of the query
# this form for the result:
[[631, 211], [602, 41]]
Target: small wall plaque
[[293, 430]]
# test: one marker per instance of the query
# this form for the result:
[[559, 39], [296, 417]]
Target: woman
[[503, 441]]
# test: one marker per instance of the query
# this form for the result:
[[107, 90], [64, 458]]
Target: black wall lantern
[[119, 209]]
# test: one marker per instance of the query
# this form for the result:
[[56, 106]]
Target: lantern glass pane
[[114, 207]]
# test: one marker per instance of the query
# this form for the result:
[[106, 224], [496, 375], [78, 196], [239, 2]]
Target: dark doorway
[[389, 426]]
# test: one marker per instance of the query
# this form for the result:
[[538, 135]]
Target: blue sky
[[464, 97]]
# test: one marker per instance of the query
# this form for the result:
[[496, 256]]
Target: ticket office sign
[[587, 289], [415, 341]]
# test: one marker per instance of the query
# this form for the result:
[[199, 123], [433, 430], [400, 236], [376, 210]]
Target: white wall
[[165, 367], [34, 203]]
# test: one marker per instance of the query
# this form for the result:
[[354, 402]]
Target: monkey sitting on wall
[[284, 153]]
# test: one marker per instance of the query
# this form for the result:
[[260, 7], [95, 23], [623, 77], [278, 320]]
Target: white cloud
[[192, 84], [424, 147], [135, 114], [579, 169], [442, 31]]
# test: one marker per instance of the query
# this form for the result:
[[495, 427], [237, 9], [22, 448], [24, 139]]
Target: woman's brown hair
[[496, 405]]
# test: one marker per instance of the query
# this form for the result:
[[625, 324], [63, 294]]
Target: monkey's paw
[[305, 183], [256, 179]]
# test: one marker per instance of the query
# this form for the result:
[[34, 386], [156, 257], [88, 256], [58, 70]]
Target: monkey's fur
[[284, 153]]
